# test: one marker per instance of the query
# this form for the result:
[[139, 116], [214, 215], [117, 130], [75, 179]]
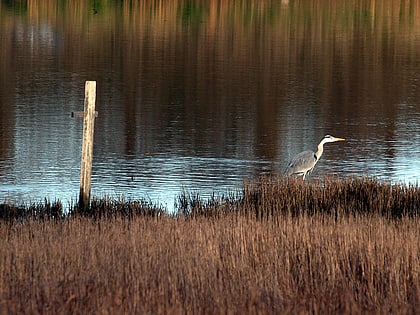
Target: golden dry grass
[[229, 262], [226, 265]]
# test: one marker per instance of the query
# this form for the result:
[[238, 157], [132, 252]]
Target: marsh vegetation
[[348, 246]]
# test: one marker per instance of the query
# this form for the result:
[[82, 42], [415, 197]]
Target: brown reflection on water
[[7, 116], [211, 74]]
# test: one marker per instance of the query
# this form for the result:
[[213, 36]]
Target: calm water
[[202, 95]]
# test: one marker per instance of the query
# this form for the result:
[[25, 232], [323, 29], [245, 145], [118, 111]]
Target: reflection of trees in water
[[270, 65]]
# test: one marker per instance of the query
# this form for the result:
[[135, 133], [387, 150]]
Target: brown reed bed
[[273, 196], [237, 265], [260, 198], [246, 253]]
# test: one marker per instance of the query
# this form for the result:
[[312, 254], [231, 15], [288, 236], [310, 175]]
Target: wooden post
[[87, 145]]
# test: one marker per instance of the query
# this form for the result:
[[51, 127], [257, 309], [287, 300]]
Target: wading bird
[[305, 161]]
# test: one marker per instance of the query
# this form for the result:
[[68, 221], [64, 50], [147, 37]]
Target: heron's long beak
[[339, 139]]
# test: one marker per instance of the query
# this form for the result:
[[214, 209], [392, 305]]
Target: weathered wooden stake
[[87, 145]]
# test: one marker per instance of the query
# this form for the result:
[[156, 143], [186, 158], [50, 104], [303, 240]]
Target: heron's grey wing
[[301, 163]]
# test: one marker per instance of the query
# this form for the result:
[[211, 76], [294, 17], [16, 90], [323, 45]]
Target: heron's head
[[329, 138]]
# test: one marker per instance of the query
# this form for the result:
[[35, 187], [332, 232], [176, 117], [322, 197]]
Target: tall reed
[[273, 196], [235, 264]]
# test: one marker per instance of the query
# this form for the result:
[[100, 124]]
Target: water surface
[[202, 95]]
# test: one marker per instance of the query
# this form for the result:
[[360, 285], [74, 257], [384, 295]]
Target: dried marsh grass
[[234, 260], [274, 196], [226, 265]]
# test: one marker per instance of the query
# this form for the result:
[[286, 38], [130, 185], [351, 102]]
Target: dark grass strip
[[263, 197]]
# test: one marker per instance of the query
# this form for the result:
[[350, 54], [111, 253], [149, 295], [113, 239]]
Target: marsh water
[[201, 96]]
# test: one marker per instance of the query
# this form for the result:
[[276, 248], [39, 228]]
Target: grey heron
[[305, 161]]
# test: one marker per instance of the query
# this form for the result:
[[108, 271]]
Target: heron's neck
[[320, 150]]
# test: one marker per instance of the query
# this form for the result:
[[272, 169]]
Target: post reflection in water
[[203, 95]]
